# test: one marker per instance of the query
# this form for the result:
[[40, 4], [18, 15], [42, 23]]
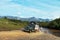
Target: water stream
[[45, 30], [50, 31]]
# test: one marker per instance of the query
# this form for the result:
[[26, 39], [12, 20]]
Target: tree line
[[54, 24], [13, 24]]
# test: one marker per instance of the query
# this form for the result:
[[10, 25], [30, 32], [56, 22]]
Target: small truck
[[31, 27]]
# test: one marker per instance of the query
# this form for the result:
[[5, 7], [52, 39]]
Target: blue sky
[[30, 8]]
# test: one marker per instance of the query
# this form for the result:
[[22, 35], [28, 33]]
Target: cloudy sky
[[30, 8]]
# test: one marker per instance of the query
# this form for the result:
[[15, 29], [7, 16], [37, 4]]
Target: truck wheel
[[29, 31]]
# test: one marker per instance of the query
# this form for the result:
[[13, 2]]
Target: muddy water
[[51, 31], [55, 32], [45, 30]]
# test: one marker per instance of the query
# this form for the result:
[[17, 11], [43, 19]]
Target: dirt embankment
[[19, 35]]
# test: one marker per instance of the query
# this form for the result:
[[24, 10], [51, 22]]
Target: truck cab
[[30, 27]]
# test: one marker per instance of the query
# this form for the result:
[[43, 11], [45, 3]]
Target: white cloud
[[47, 5], [24, 11], [55, 14], [2, 2], [34, 10], [18, 13]]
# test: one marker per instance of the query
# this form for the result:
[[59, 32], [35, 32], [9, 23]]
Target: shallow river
[[50, 31]]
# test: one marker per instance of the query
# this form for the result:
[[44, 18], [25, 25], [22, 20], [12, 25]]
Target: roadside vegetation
[[54, 24], [13, 24]]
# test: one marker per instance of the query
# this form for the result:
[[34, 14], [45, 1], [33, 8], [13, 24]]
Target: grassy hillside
[[11, 24]]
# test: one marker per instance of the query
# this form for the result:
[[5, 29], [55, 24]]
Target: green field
[[11, 24]]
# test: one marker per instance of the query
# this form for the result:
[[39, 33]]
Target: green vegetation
[[11, 24], [55, 24], [43, 24]]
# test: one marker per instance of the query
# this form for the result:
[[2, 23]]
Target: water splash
[[45, 30]]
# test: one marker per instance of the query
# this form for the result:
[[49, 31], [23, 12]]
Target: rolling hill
[[28, 19], [11, 24]]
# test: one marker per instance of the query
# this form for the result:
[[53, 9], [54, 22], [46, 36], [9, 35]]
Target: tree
[[43, 24], [5, 17], [55, 24]]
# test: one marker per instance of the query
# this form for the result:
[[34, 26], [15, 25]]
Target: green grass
[[8, 24]]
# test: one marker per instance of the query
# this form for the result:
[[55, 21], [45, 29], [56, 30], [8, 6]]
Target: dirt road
[[19, 35]]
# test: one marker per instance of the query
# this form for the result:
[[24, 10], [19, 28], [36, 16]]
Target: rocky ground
[[19, 35]]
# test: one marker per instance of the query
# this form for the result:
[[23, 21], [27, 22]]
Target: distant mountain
[[29, 19], [35, 19], [1, 17]]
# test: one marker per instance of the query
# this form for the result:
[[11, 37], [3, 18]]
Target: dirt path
[[19, 35]]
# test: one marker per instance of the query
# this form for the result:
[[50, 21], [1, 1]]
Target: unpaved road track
[[19, 35]]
